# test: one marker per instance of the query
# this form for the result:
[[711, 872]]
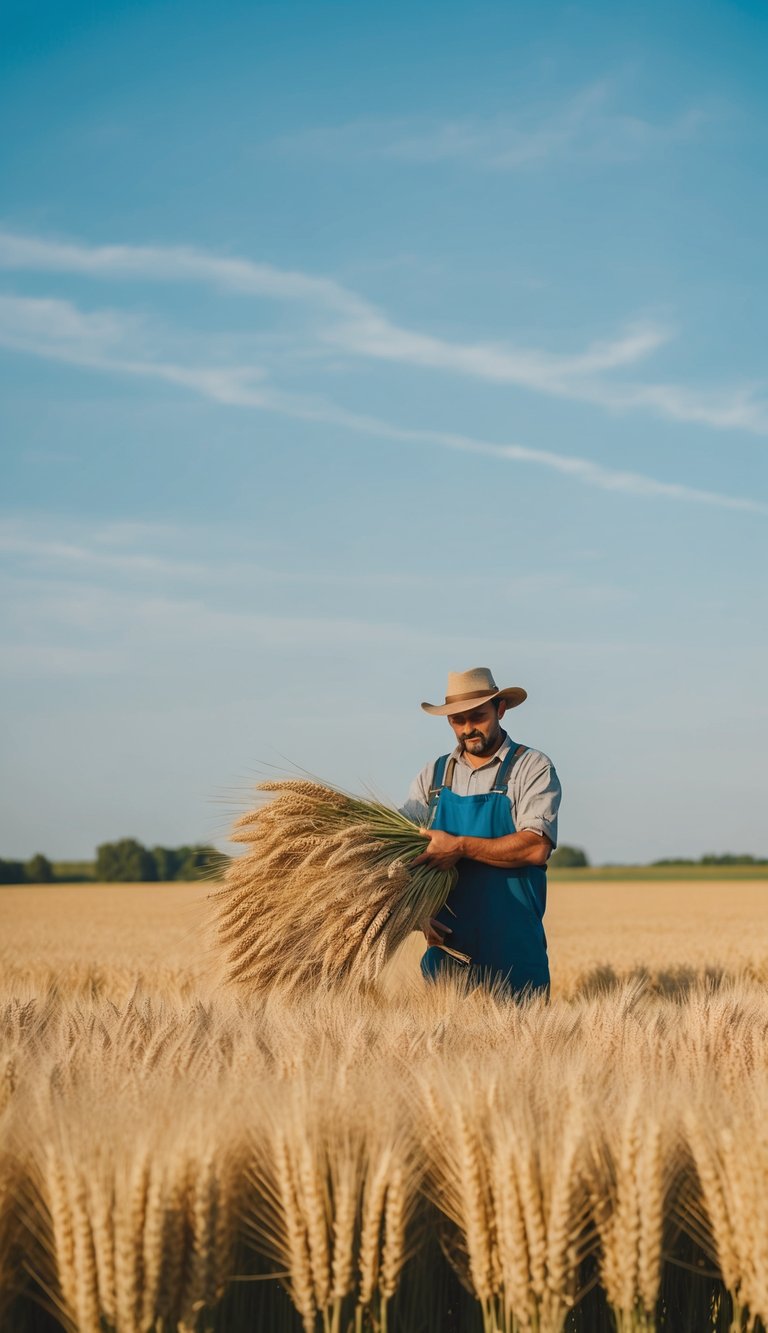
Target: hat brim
[[512, 696]]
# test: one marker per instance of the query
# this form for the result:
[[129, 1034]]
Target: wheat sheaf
[[325, 893]]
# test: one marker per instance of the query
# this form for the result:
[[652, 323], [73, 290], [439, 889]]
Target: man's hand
[[444, 849], [434, 931]]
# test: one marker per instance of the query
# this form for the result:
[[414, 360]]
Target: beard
[[480, 744]]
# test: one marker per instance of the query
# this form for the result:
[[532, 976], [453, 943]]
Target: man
[[490, 809]]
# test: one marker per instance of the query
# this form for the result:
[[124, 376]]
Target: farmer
[[490, 809]]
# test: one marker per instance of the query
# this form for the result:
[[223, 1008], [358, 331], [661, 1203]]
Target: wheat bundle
[[326, 891]]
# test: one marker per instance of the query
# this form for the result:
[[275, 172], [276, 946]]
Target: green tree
[[168, 860], [202, 862], [729, 859], [126, 861], [568, 858], [39, 870], [12, 872]]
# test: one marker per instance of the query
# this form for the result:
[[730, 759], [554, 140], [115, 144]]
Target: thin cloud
[[68, 556], [505, 365], [61, 325], [47, 552], [60, 558], [172, 264], [593, 474], [341, 320], [56, 613], [94, 608], [744, 409], [60, 329], [103, 340], [231, 387], [584, 128]]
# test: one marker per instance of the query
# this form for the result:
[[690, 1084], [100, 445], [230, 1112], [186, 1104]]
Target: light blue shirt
[[534, 788]]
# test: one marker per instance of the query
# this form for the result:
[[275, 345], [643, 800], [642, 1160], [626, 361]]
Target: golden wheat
[[323, 894], [160, 1137], [9, 1190], [527, 1160]]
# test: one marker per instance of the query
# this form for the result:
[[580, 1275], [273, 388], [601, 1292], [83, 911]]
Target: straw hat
[[469, 689]]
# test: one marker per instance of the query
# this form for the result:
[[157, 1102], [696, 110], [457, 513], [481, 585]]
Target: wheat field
[[174, 1155]]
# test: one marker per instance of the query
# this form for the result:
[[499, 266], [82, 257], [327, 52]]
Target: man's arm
[[510, 852], [416, 806]]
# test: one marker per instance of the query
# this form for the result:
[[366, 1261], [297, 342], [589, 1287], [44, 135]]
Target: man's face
[[479, 730]]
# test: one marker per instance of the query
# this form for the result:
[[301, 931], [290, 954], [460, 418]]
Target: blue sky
[[345, 345]]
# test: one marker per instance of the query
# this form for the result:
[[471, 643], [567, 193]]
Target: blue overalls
[[495, 914]]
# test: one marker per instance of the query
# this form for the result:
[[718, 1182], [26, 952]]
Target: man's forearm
[[512, 851]]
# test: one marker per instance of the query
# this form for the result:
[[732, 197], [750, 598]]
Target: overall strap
[[442, 776], [502, 777]]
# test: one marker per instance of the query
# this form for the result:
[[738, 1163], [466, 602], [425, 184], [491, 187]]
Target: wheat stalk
[[86, 1290], [10, 1182], [633, 1110], [130, 1210], [374, 1198], [56, 1194], [324, 894], [346, 1173], [102, 1202]]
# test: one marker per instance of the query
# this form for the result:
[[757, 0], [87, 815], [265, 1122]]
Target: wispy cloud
[[57, 613], [37, 322], [43, 554], [66, 556], [111, 341], [50, 548], [68, 335], [80, 617], [174, 264], [533, 369], [585, 127], [742, 408], [335, 320]]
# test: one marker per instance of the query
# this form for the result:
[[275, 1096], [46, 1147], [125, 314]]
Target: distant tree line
[[571, 858], [715, 859], [37, 870], [128, 861], [125, 861], [568, 858]]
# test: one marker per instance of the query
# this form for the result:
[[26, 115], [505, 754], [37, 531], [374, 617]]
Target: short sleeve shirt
[[534, 788]]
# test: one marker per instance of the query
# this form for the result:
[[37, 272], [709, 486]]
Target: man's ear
[[502, 708]]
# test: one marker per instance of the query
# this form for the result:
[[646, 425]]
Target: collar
[[497, 758]]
